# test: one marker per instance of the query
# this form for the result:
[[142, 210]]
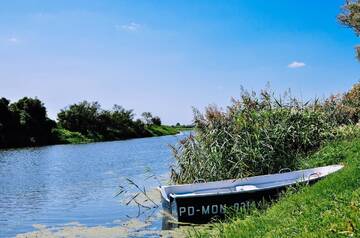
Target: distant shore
[[25, 124], [68, 137]]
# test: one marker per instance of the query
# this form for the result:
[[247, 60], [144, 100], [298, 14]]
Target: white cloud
[[13, 40], [132, 26], [296, 64]]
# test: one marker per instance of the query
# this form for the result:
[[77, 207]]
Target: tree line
[[25, 123]]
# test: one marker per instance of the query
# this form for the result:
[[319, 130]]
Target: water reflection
[[59, 184]]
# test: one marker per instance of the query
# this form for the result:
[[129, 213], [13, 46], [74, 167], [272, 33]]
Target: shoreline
[[177, 131]]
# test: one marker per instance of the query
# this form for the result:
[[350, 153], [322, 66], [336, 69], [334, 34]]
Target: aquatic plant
[[134, 194]]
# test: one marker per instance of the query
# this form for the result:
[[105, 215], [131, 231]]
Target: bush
[[339, 111], [255, 135], [24, 123], [92, 121], [351, 100], [64, 136], [344, 108], [347, 132], [156, 121]]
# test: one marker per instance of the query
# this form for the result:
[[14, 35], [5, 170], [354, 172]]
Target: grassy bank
[[164, 130], [330, 208], [68, 137]]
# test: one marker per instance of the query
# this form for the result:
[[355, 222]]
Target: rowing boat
[[201, 202]]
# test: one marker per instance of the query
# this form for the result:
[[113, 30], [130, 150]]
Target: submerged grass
[[330, 208]]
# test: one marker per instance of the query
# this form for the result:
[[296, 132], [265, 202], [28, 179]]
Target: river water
[[57, 185]]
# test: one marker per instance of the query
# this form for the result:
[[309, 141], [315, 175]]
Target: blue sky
[[167, 56]]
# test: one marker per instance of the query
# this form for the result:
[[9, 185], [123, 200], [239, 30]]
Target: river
[[58, 186]]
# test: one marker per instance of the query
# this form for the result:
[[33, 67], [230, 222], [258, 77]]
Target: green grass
[[330, 208], [69, 137], [164, 130], [63, 136]]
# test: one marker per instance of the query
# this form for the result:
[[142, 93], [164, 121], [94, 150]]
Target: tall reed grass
[[257, 134]]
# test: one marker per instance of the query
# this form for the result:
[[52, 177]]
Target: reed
[[257, 134]]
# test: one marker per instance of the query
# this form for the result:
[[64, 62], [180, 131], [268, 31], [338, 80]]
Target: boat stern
[[165, 199]]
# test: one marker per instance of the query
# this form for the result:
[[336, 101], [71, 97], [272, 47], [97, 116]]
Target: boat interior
[[250, 184]]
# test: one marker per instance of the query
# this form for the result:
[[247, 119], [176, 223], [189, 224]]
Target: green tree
[[9, 125], [147, 117], [82, 117], [156, 121], [123, 122], [350, 17], [98, 124], [116, 124], [34, 125], [122, 116], [25, 123]]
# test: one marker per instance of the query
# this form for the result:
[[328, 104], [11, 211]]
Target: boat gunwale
[[168, 197], [189, 195]]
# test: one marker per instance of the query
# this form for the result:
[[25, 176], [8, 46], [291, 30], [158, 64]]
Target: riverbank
[[330, 208], [25, 123], [164, 130], [260, 134], [69, 137]]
